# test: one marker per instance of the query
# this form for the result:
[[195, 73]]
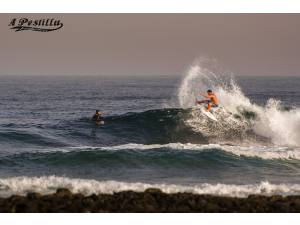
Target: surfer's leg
[[208, 106]]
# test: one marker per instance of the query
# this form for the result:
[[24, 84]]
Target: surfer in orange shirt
[[212, 100]]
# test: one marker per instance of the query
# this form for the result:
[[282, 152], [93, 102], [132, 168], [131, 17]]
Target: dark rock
[[153, 190], [63, 192], [152, 200], [88, 202], [33, 195], [94, 197], [20, 207]]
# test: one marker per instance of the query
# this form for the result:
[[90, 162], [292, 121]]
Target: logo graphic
[[41, 25]]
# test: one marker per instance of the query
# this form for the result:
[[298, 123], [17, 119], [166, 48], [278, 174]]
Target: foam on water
[[49, 184], [269, 121]]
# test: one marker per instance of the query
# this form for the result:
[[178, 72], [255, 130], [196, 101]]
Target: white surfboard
[[208, 114]]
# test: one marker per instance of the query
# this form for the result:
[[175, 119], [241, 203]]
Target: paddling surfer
[[98, 117]]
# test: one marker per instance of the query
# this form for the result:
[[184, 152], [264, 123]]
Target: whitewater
[[48, 185]]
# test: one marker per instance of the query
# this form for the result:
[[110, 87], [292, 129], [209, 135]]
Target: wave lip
[[49, 184]]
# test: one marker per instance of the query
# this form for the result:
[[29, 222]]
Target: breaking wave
[[238, 117]]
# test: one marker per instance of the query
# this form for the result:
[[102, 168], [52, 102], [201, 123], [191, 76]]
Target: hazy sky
[[153, 44]]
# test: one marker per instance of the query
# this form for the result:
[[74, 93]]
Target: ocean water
[[153, 135]]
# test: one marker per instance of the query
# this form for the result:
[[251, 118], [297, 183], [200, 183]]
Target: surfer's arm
[[205, 96]]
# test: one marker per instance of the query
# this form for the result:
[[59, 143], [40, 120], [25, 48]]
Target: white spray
[[281, 127]]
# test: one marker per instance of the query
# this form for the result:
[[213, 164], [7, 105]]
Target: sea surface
[[153, 135]]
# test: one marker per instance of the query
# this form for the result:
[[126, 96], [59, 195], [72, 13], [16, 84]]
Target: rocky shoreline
[[151, 200]]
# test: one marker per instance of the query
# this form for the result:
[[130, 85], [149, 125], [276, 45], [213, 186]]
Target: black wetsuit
[[97, 117]]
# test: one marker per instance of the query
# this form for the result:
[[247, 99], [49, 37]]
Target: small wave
[[48, 184], [32, 137], [263, 152], [133, 146]]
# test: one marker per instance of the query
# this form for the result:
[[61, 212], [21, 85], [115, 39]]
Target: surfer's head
[[209, 91], [97, 111]]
